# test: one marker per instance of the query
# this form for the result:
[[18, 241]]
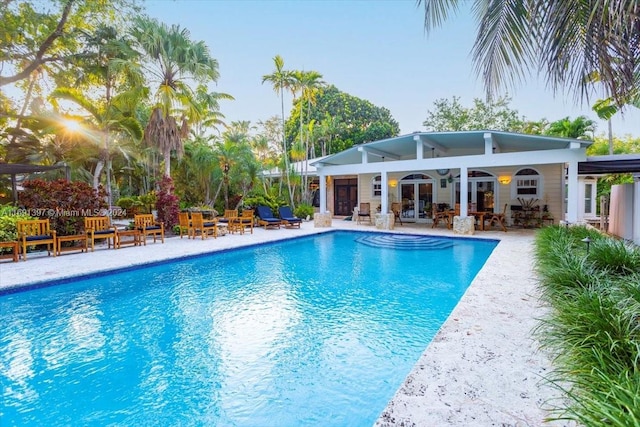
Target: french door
[[481, 195], [416, 197]]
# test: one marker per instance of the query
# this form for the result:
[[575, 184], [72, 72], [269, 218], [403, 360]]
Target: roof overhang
[[620, 163], [17, 168], [443, 145]]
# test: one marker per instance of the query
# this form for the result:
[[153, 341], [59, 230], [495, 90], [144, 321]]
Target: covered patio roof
[[450, 144], [619, 163], [14, 169]]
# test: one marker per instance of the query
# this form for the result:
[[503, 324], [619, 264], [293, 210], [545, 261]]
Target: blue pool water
[[314, 331]]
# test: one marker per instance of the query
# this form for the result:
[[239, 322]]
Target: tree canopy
[[450, 115], [359, 120], [584, 47]]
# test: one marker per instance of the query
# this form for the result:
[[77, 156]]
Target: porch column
[[384, 195], [572, 192], [323, 192], [322, 218], [464, 190]]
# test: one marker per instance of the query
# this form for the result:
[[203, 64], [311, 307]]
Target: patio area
[[483, 368]]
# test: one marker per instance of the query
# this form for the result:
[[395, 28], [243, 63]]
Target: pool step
[[395, 241]]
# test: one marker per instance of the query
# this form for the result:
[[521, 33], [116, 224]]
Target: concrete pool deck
[[483, 367]]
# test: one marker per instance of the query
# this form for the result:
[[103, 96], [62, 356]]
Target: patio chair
[[148, 226], [439, 215], [289, 220], [246, 220], [499, 218], [99, 227], [205, 228], [364, 212], [396, 208], [184, 223], [266, 218], [230, 218], [35, 232]]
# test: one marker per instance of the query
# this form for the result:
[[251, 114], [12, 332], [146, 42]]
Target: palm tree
[[282, 79], [307, 83], [236, 159], [568, 40], [173, 60], [581, 128], [208, 104]]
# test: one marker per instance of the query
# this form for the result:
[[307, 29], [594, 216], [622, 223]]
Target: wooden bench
[[36, 232]]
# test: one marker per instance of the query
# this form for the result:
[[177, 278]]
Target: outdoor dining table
[[479, 216]]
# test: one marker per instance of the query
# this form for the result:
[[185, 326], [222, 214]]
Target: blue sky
[[375, 50]]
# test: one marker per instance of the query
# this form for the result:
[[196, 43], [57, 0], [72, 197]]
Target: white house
[[502, 170]]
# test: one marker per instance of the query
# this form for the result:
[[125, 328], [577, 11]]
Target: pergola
[[15, 169]]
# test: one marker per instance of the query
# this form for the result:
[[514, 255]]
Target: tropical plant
[[591, 329], [570, 41], [64, 203], [281, 80], [167, 203], [357, 120], [581, 128], [308, 84], [171, 58]]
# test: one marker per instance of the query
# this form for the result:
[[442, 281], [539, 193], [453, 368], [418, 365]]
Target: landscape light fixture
[[587, 240]]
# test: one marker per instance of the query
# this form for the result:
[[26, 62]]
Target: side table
[[82, 247], [13, 245], [136, 238]]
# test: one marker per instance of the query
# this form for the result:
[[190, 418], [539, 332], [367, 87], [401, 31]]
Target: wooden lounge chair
[[148, 226], [205, 228], [99, 227], [396, 208], [266, 218], [364, 212], [287, 217], [36, 232]]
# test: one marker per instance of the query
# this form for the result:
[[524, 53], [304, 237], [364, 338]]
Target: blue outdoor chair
[[266, 218], [287, 217]]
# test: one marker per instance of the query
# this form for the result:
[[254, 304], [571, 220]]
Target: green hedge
[[593, 328]]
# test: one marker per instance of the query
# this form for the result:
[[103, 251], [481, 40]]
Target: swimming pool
[[314, 331]]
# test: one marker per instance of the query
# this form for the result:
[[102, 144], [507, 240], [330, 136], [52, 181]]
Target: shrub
[[63, 202], [9, 215], [593, 330], [303, 210], [167, 203]]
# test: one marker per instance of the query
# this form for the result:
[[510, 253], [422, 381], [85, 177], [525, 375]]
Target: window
[[376, 190], [527, 184], [588, 198]]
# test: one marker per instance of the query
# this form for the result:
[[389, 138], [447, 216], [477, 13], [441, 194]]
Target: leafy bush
[[63, 202], [303, 210], [261, 200], [9, 216], [167, 203], [592, 330]]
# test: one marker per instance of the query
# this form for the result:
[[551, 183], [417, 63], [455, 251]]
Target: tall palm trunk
[[286, 153]]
